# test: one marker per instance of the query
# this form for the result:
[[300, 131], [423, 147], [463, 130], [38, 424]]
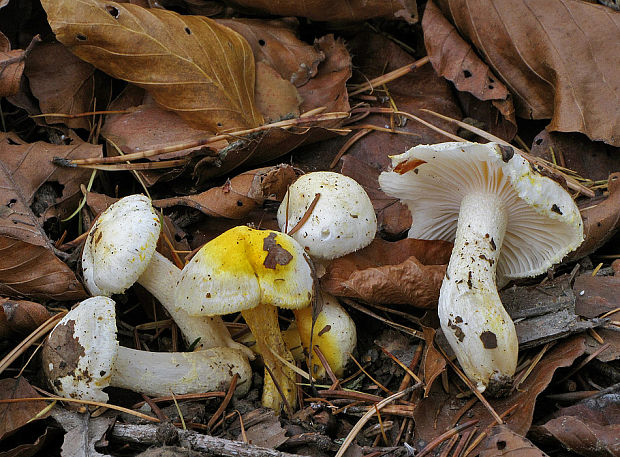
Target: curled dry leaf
[[28, 264], [600, 220], [404, 272], [334, 10], [16, 415], [454, 59], [439, 411], [239, 195], [553, 55], [434, 364], [190, 64], [504, 442], [12, 67], [20, 317], [62, 83], [275, 42]]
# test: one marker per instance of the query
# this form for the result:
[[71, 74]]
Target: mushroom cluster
[[506, 220]]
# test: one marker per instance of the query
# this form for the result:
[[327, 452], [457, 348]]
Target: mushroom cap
[[120, 245], [243, 268], [343, 220], [544, 223], [79, 353]]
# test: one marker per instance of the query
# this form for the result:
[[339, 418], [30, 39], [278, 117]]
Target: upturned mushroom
[[81, 357], [507, 221], [120, 250], [254, 272]]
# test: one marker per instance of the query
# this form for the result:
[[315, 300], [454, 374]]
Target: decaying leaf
[[584, 437], [276, 97], [20, 317], [600, 220], [83, 432], [190, 64], [454, 59], [28, 265], [334, 10], [11, 67], [403, 272], [502, 441], [15, 415], [439, 411], [239, 195], [267, 433], [62, 83], [554, 57], [275, 42], [434, 364]]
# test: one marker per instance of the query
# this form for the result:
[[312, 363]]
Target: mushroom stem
[[263, 322], [160, 279], [472, 316], [162, 373]]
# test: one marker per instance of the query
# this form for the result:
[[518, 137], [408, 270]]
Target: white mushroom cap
[[116, 252], [343, 220], [544, 223], [80, 352]]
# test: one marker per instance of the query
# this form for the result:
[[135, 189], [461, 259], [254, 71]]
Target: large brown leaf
[[62, 83], [503, 442], [404, 272], [15, 415], [20, 317], [11, 67], [334, 10], [555, 56], [28, 265], [190, 64]]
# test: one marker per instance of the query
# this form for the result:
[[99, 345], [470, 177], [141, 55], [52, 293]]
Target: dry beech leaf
[[239, 195], [454, 59], [436, 413], [334, 10], [276, 98], [16, 415], [403, 272], [62, 83], [434, 364], [20, 317], [190, 64], [275, 42], [504, 442], [554, 56], [12, 67], [584, 437], [28, 265]]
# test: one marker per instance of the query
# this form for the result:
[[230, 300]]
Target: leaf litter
[[191, 100]]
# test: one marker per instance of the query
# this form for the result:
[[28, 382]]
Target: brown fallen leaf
[[454, 59], [434, 364], [439, 411], [504, 442], [596, 295], [239, 195], [403, 272], [601, 220], [29, 267], [20, 317], [585, 437], [62, 83], [267, 433], [190, 64], [16, 415], [334, 10], [565, 73], [275, 42], [589, 159], [276, 98], [11, 67]]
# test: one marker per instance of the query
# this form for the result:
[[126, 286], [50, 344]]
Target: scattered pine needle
[[306, 215], [176, 404], [532, 365], [220, 410], [401, 364], [388, 77], [598, 267], [377, 383], [584, 362], [347, 145]]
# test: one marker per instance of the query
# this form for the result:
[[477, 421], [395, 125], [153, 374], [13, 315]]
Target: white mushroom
[[81, 357], [120, 250], [342, 221], [506, 220]]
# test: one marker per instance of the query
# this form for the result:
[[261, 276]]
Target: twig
[[401, 364], [377, 383], [388, 77], [220, 410], [366, 417], [350, 142]]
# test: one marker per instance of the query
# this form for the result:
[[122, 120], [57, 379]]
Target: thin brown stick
[[388, 77], [463, 442], [74, 116], [287, 405], [449, 446], [377, 383], [200, 396], [361, 396], [444, 436], [285, 124], [306, 215], [328, 369], [401, 364], [347, 145], [220, 410], [139, 165], [156, 409], [584, 362], [403, 328]]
